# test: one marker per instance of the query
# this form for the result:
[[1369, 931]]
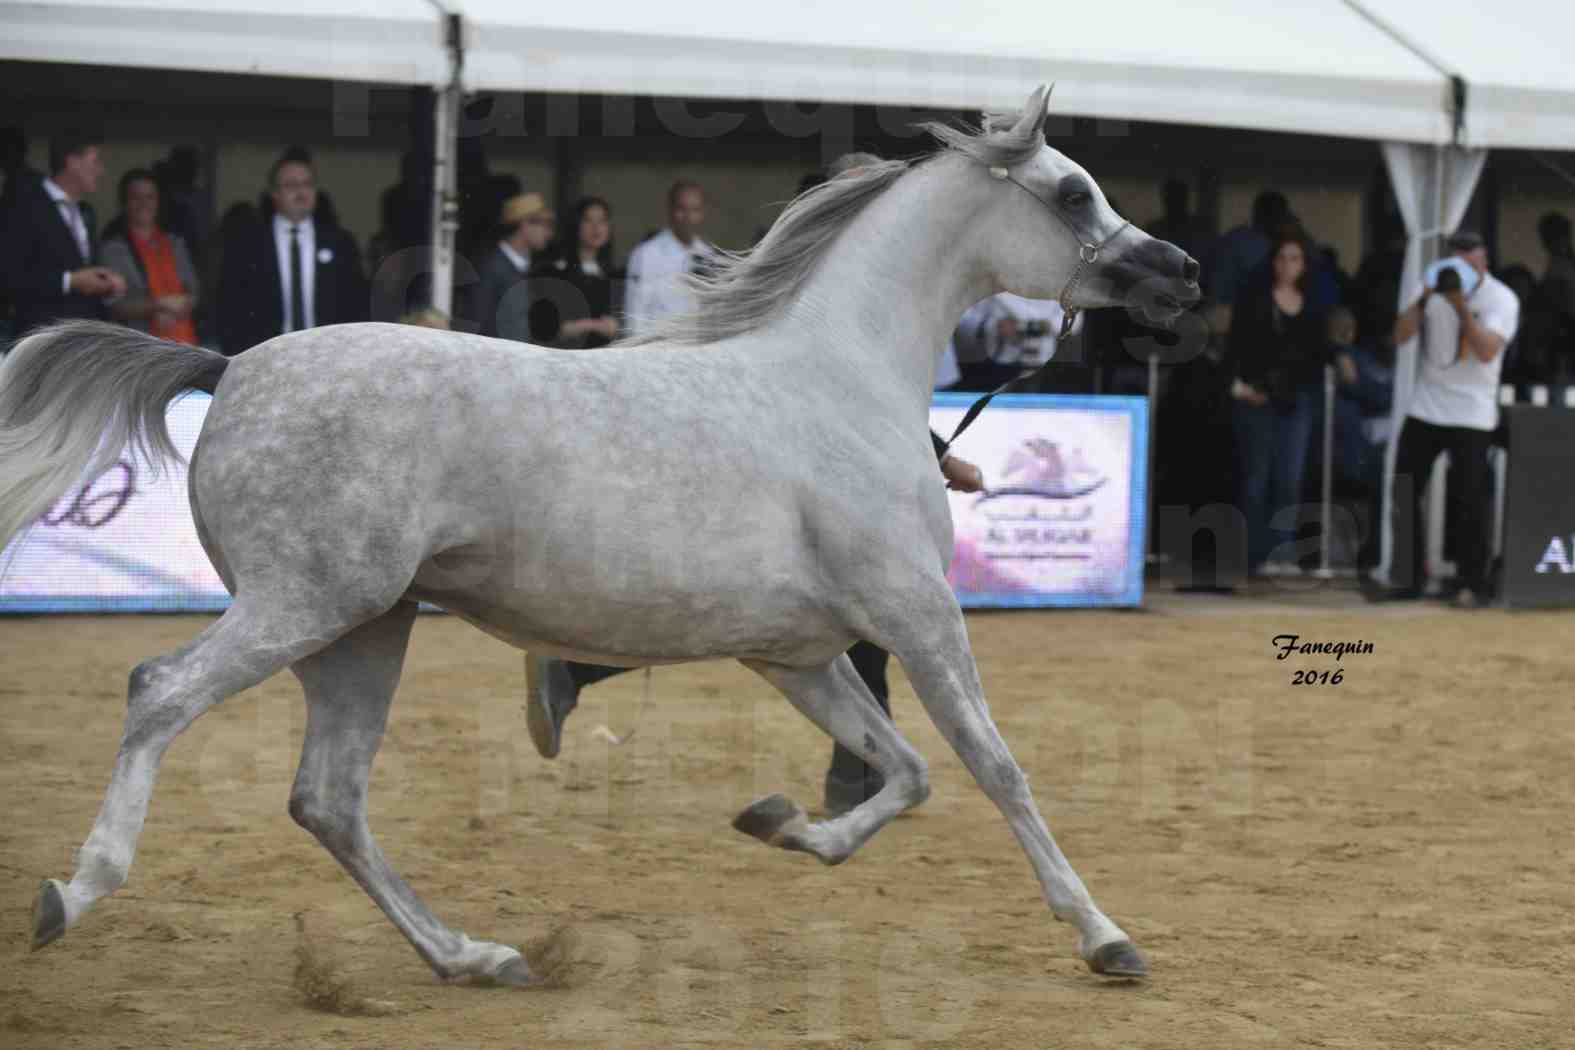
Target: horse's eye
[[1075, 199]]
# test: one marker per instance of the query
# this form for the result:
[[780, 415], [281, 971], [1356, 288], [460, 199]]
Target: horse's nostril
[[1190, 270]]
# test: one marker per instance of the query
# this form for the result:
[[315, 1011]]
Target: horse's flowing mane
[[746, 289]]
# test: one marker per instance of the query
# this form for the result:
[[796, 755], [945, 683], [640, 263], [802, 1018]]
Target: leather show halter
[[1087, 251], [1087, 255]]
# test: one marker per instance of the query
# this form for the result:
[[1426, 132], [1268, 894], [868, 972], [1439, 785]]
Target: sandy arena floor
[[1382, 863]]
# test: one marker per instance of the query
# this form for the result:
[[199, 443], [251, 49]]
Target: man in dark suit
[[502, 309], [49, 240], [291, 271]]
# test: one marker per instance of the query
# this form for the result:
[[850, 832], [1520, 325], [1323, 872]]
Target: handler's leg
[[940, 665], [552, 690], [850, 780], [835, 699]]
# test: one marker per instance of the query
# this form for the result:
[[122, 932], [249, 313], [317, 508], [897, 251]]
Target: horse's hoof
[[1118, 959], [515, 974], [49, 914], [776, 820]]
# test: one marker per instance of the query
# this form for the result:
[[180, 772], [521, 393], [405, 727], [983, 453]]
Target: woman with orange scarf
[[161, 283]]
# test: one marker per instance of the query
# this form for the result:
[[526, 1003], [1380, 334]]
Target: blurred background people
[[1454, 409], [658, 264], [1278, 349], [161, 281], [501, 299], [572, 289], [49, 250], [294, 269]]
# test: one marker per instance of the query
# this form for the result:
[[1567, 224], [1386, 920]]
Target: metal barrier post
[[1150, 555], [1327, 514]]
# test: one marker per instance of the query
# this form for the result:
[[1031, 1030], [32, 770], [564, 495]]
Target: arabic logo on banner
[[1022, 527]]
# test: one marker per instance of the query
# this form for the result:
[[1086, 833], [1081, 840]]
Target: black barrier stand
[[1539, 508]]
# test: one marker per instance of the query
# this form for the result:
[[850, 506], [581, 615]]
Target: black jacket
[[499, 299], [561, 291], [251, 290], [1274, 352], [36, 250]]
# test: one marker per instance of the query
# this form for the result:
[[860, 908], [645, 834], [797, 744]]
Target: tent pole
[[445, 194]]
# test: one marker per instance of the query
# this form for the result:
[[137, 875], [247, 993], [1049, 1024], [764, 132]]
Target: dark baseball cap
[[1465, 241]]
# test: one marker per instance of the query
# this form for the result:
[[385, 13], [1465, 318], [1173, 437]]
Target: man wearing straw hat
[[525, 225]]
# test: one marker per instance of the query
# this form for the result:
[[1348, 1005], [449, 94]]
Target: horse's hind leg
[[349, 687], [838, 701], [166, 694]]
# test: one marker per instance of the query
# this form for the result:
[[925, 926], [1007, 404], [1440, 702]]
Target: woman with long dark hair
[[573, 289], [1278, 346]]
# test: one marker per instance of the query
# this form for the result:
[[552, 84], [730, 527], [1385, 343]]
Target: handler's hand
[[962, 475]]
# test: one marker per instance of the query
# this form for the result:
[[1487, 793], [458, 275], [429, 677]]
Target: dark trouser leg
[[1253, 429], [1472, 479], [1419, 445], [1293, 432], [1373, 495], [590, 674], [870, 662]]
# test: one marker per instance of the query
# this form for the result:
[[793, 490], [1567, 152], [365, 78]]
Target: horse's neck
[[889, 293]]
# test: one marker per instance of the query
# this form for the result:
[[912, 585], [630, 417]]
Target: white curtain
[[1433, 186]]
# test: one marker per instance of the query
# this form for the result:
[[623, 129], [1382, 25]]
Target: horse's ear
[[1037, 108]]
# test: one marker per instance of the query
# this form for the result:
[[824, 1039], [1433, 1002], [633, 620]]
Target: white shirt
[[71, 215], [946, 371], [1452, 393], [656, 269], [281, 243], [980, 330], [518, 261]]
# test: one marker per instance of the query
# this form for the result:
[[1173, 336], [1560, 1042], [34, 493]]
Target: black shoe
[[843, 795], [1376, 592], [550, 694]]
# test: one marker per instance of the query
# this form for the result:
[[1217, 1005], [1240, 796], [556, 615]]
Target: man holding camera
[[1005, 336], [1463, 317]]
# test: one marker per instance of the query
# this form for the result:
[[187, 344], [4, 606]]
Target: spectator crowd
[[1245, 406]]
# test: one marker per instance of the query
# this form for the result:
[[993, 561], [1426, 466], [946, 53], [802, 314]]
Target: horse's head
[[1051, 234]]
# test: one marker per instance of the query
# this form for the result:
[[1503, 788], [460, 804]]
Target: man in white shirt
[[1454, 409], [1000, 338], [657, 266]]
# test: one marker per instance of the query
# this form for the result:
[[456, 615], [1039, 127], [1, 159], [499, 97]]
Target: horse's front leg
[[932, 644]]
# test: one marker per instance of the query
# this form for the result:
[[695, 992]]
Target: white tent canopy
[[1515, 61], [386, 41], [1374, 69], [1313, 67]]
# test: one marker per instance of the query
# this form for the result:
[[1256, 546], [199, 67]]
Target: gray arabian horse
[[774, 498]]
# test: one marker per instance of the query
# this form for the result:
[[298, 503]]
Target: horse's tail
[[73, 395]]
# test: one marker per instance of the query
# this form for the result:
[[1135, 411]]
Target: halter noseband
[[1087, 251]]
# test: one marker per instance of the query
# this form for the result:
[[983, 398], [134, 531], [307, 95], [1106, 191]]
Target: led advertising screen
[[1060, 521], [124, 543]]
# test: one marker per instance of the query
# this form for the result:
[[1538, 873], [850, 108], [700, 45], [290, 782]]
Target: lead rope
[[1087, 255], [602, 732]]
